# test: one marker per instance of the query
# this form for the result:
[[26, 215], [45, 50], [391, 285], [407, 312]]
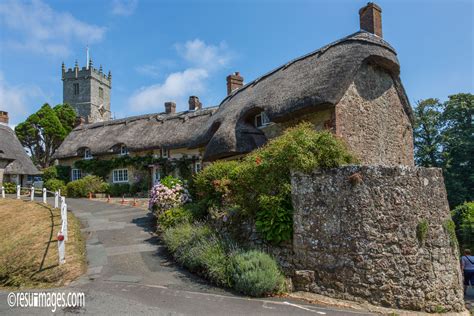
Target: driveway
[[130, 272]]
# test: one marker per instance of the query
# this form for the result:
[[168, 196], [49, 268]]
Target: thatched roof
[[142, 132], [318, 79], [12, 150]]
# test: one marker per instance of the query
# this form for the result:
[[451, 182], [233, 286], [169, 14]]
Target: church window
[[101, 93], [76, 89]]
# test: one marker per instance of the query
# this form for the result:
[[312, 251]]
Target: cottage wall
[[133, 174], [322, 119], [371, 118]]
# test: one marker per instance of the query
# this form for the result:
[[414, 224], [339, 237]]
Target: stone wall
[[355, 237], [372, 120]]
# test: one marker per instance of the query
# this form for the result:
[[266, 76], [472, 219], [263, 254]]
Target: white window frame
[[76, 174], [263, 119], [120, 175], [87, 154], [197, 166], [123, 150]]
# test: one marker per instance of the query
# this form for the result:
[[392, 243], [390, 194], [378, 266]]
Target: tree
[[427, 133], [444, 137], [458, 147], [43, 132]]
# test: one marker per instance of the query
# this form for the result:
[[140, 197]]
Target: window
[[197, 166], [29, 178], [164, 153], [123, 150], [76, 174], [101, 93], [76, 89], [261, 119], [120, 175], [157, 175], [87, 153]]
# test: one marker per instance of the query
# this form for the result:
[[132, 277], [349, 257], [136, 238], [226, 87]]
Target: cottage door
[[156, 174]]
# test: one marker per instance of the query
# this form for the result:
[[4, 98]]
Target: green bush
[[49, 173], [86, 185], [55, 185], [463, 217], [170, 182], [260, 185], [10, 187], [119, 189], [255, 273], [173, 216]]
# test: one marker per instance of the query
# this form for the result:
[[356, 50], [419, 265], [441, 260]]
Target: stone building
[[351, 87], [87, 90], [15, 165]]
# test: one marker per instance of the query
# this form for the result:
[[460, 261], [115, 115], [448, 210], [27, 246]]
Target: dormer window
[[87, 154], [164, 153], [123, 150], [261, 120]]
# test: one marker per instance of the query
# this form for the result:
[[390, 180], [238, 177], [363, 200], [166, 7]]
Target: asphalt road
[[130, 272]]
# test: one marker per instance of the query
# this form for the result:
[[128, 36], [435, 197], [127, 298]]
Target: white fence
[[59, 202]]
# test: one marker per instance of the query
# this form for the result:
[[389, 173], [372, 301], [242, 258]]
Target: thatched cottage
[[15, 165], [351, 87]]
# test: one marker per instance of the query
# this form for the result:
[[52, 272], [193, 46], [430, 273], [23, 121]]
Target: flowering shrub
[[166, 194]]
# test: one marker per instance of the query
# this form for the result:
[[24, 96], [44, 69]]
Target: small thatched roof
[[137, 133], [313, 81], [12, 150]]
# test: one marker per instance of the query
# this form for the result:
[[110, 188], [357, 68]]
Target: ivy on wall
[[103, 167]]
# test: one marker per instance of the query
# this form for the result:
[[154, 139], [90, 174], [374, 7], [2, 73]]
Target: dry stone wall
[[355, 237]]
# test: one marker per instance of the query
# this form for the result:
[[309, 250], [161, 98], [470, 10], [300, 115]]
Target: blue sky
[[167, 50]]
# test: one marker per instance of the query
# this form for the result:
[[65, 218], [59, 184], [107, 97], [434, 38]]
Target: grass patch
[[28, 246], [421, 231]]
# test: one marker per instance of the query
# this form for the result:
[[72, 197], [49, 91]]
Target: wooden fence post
[[44, 196], [56, 199], [18, 190], [3, 192], [61, 248], [32, 194], [64, 220]]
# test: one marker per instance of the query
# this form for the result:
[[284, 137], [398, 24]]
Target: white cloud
[[199, 54], [124, 7], [16, 99], [37, 27], [178, 86]]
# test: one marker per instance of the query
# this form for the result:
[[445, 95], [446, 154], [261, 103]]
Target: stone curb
[[363, 307]]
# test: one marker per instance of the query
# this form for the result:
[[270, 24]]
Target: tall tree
[[427, 133], [458, 147], [43, 131]]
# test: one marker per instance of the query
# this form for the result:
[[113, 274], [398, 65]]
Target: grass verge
[[28, 246]]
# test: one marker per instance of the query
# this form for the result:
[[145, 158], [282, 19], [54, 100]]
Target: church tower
[[87, 90]]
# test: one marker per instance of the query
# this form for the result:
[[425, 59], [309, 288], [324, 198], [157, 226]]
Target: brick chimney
[[170, 107], [371, 19], [4, 117], [194, 103], [234, 82]]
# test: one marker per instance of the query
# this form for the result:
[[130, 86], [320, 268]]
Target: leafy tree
[[458, 147], [43, 131], [427, 133], [444, 137]]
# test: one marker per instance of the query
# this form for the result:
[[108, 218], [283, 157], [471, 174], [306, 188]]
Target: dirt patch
[[28, 246]]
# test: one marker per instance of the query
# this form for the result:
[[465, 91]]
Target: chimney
[[4, 117], [234, 82], [194, 103], [371, 19], [170, 107]]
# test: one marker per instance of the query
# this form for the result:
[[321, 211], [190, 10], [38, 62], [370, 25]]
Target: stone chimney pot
[[371, 19]]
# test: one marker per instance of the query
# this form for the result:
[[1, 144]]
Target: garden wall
[[355, 237]]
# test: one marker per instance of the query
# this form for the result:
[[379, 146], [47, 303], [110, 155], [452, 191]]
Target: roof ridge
[[321, 50]]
